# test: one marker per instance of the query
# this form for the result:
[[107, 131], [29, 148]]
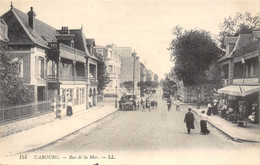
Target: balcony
[[53, 78], [112, 74], [93, 81], [248, 81], [71, 78], [80, 78], [247, 49], [72, 50]]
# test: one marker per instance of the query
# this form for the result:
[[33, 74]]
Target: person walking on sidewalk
[[203, 124], [189, 120], [69, 109], [169, 104]]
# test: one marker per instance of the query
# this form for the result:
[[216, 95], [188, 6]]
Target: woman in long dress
[[203, 123]]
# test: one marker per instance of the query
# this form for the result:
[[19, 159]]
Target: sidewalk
[[250, 133], [45, 134]]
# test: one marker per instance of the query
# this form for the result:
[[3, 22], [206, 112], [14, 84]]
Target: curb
[[77, 130], [230, 136]]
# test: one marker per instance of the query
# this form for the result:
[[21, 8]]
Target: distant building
[[113, 63], [131, 67]]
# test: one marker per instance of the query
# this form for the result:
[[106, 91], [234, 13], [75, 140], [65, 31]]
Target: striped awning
[[238, 90]]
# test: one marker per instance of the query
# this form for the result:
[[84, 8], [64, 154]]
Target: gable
[[16, 33]]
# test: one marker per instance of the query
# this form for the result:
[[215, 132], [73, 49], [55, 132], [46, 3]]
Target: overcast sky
[[143, 25]]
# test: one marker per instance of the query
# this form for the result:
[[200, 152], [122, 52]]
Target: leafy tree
[[102, 76], [239, 23], [192, 52], [147, 85], [128, 85], [12, 89], [156, 79]]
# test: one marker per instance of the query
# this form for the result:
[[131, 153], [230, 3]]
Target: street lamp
[[116, 98]]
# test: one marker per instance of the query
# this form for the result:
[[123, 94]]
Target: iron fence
[[23, 111]]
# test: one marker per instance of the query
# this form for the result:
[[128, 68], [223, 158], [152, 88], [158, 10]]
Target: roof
[[240, 41], [41, 35]]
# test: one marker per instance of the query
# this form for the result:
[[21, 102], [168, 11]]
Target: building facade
[[131, 67], [113, 63], [241, 72], [53, 63]]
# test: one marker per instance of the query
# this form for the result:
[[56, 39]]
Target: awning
[[239, 90]]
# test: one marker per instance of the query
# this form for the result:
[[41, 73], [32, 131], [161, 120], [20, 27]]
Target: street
[[157, 130]]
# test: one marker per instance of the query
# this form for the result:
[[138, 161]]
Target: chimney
[[31, 15]]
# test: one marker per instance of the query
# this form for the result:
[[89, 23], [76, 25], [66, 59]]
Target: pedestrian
[[177, 106], [152, 104], [203, 124], [142, 105], [169, 103], [69, 109], [156, 104], [189, 120], [209, 111], [148, 104]]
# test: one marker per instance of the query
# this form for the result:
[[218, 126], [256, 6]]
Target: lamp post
[[116, 98]]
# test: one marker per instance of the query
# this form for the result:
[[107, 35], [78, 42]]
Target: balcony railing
[[53, 78], [81, 78], [93, 81], [67, 78], [112, 74], [247, 49], [72, 50]]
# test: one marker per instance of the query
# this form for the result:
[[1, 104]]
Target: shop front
[[242, 102]]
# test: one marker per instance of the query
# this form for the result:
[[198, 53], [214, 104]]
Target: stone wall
[[27, 123]]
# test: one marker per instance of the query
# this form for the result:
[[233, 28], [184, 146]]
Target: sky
[[146, 26]]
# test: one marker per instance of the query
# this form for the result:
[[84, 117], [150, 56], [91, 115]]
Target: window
[[20, 68], [110, 54], [110, 69], [41, 67]]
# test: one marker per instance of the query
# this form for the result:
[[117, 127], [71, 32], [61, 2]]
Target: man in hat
[[189, 120]]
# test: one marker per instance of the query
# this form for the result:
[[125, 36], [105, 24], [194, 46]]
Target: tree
[[192, 52], [102, 76], [239, 23], [128, 85], [156, 79], [12, 89]]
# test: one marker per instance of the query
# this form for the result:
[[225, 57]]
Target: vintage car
[[129, 102]]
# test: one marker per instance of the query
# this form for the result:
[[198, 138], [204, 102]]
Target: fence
[[23, 111]]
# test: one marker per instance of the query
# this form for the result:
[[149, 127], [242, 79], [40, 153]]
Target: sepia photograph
[[128, 82]]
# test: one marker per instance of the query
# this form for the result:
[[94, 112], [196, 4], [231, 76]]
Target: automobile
[[129, 102]]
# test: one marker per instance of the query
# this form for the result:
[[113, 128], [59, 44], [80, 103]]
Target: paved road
[[158, 130]]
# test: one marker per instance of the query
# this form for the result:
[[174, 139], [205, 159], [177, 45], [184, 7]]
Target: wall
[[25, 124], [188, 93]]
